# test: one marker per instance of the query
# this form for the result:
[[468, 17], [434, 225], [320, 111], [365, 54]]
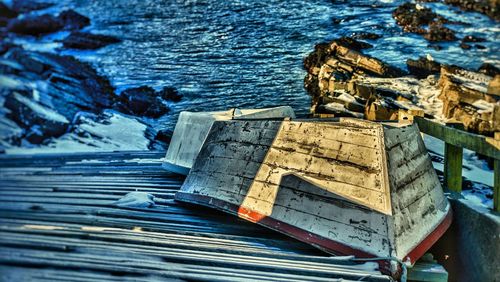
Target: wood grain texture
[[58, 222], [366, 185]]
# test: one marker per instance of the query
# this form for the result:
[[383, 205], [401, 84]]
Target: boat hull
[[192, 129], [349, 187]]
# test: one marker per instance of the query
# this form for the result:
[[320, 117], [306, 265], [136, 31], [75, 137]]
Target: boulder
[[23, 6], [29, 62], [67, 84], [352, 43], [43, 24], [490, 8], [415, 18], [159, 140], [471, 98], [6, 12], [423, 67], [438, 32], [73, 20], [143, 101], [412, 17], [489, 69], [366, 35], [169, 93], [471, 38], [41, 121], [35, 25], [84, 40]]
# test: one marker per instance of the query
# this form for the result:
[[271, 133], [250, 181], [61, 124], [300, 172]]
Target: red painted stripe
[[432, 238], [325, 244]]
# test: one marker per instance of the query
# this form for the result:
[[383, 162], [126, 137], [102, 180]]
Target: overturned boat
[[346, 186], [192, 129]]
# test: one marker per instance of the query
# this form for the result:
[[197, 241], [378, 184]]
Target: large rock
[[169, 93], [40, 121], [73, 20], [470, 98], [35, 25], [83, 40], [144, 101], [412, 17], [25, 6], [489, 69], [6, 12], [423, 67], [331, 68], [43, 24], [438, 32], [70, 84], [418, 19], [488, 7]]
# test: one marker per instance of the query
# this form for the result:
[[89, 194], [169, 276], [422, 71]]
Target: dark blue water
[[223, 54]]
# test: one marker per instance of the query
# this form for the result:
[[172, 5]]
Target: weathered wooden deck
[[58, 222]]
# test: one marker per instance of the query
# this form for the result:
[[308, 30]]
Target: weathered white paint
[[192, 128], [370, 186]]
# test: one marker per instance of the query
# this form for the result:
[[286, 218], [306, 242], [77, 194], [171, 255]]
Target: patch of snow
[[10, 63], [341, 108], [136, 200], [115, 132], [477, 199], [474, 169], [9, 82], [484, 106], [41, 110], [145, 161]]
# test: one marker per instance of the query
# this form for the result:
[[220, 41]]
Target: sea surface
[[247, 54], [224, 54]]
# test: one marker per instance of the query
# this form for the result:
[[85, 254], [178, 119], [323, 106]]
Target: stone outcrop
[[169, 93], [423, 67], [43, 24], [43, 94], [84, 40], [333, 76], [487, 7], [471, 98], [344, 82], [421, 20], [39, 121], [143, 101]]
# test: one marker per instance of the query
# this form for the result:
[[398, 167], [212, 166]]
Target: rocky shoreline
[[343, 81], [46, 95]]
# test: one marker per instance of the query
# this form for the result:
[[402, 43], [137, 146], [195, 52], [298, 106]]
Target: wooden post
[[453, 167], [496, 185], [496, 180], [453, 163]]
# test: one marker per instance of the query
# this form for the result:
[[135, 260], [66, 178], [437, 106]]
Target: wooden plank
[[496, 187], [481, 144], [453, 167]]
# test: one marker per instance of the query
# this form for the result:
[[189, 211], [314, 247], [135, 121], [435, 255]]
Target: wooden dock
[[58, 221]]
